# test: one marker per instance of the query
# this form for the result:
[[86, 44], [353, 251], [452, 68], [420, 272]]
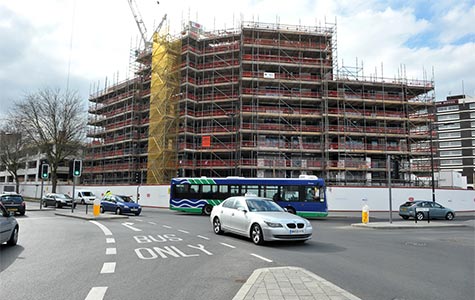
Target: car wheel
[[256, 234], [58, 205], [449, 216], [22, 213], [45, 204], [13, 238], [102, 209], [82, 202], [217, 226], [207, 209], [405, 217], [419, 216], [118, 211], [137, 213]]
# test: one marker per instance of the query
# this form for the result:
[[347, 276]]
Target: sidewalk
[[412, 224], [290, 283]]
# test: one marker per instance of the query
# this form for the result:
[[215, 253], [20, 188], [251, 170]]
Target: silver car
[[260, 219], [8, 227]]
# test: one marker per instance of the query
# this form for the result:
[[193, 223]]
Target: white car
[[8, 227], [260, 219]]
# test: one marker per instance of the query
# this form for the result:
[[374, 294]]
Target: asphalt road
[[167, 255]]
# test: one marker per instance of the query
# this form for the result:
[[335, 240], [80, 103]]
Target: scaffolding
[[269, 100]]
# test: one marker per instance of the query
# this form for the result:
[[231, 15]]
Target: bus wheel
[[291, 210], [207, 209]]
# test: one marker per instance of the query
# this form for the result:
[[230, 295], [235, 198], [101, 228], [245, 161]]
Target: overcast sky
[[41, 42]]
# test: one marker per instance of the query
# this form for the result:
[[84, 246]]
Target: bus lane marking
[[102, 227], [203, 237], [153, 223], [96, 293], [111, 251], [110, 240], [169, 251], [184, 231], [227, 245], [166, 226], [261, 257], [129, 225]]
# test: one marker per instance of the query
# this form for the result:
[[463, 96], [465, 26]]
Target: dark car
[[8, 227], [57, 200], [14, 202], [120, 204], [422, 209]]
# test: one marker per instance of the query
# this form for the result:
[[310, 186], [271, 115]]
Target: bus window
[[311, 194], [209, 191], [290, 193], [223, 192], [180, 191], [234, 190], [194, 191], [250, 189], [269, 191]]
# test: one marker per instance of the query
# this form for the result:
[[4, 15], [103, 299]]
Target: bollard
[[96, 209], [365, 214]]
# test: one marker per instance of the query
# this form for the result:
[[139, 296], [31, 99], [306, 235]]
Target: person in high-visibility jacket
[[108, 193]]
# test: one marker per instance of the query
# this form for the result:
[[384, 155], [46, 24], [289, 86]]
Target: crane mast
[[139, 21]]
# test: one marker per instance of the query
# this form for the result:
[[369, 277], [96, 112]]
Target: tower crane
[[141, 24]]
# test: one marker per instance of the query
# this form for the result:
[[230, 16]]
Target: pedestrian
[[108, 193]]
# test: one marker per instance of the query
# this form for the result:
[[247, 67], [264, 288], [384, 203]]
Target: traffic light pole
[[41, 194], [74, 193]]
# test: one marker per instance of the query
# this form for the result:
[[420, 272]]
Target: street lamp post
[[432, 161]]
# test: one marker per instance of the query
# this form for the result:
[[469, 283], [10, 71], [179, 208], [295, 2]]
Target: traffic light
[[138, 177], [44, 171], [77, 166]]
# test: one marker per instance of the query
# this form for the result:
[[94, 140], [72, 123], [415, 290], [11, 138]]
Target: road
[[168, 255]]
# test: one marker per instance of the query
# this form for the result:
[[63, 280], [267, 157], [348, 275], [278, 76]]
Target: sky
[[82, 44]]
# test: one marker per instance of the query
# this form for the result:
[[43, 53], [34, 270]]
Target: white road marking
[[184, 231], [108, 267], [129, 225], [169, 227], [227, 245], [203, 237], [97, 293], [110, 240], [263, 258], [111, 251], [153, 223], [104, 228]]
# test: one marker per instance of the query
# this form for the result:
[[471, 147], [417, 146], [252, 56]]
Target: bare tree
[[55, 123], [12, 151]]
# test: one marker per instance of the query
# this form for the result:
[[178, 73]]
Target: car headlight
[[272, 224]]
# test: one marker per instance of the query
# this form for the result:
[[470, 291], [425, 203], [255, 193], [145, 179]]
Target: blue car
[[120, 204]]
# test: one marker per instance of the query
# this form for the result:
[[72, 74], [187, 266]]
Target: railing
[[287, 59]]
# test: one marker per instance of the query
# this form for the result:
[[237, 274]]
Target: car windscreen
[[256, 205], [407, 204], [87, 194], [63, 196], [125, 199], [12, 198]]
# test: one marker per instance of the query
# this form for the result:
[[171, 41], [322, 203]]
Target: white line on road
[[169, 227], [184, 231], [108, 267], [129, 225], [110, 240], [263, 258], [104, 228], [111, 251], [203, 237], [227, 245], [153, 223], [97, 293]]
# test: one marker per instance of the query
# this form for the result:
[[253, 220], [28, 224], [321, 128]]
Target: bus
[[304, 196]]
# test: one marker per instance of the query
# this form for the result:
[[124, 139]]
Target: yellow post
[[96, 208], [365, 214]]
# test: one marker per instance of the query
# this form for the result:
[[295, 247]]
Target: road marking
[[129, 225], [153, 223], [102, 227], [97, 293], [110, 240], [263, 258], [227, 245], [203, 237], [111, 251], [108, 267], [184, 231], [169, 227]]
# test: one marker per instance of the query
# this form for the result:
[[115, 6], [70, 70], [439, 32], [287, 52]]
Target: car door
[[6, 224], [437, 210], [108, 203], [226, 210], [239, 217]]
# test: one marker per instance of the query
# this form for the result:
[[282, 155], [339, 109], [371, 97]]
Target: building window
[[472, 106], [472, 115], [449, 135], [451, 144], [449, 117], [450, 162], [447, 108], [449, 126], [451, 153]]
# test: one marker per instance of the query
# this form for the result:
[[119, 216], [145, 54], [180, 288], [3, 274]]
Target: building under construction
[[264, 100]]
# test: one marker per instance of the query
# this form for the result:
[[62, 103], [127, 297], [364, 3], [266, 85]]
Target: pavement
[[289, 283]]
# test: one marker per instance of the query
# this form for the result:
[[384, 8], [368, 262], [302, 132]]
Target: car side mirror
[[240, 208], [286, 210]]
